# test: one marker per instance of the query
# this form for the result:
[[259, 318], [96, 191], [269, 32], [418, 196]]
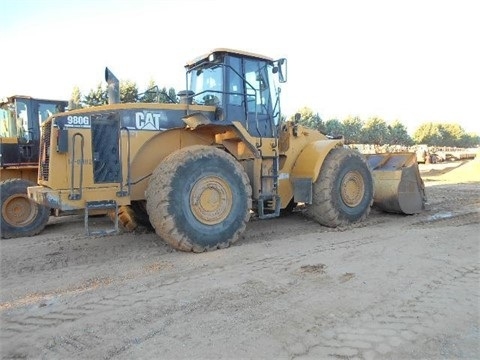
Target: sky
[[415, 61]]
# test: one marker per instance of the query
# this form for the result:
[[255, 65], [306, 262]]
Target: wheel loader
[[197, 169], [20, 119]]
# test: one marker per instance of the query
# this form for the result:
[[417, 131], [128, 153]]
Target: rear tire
[[343, 192], [20, 215], [199, 199]]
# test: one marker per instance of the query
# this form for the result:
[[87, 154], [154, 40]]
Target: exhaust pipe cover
[[113, 89]]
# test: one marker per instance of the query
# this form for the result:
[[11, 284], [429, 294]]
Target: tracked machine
[[197, 170]]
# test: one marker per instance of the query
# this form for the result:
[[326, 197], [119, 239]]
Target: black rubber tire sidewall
[[141, 214], [168, 199], [19, 186], [328, 207]]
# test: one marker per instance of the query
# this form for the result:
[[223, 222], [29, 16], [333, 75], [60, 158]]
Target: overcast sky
[[413, 61]]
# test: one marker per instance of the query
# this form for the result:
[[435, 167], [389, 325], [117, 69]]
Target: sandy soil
[[393, 287]]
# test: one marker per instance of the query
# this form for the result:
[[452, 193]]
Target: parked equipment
[[196, 170], [20, 119]]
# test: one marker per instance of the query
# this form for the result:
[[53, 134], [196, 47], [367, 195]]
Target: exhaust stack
[[113, 89]]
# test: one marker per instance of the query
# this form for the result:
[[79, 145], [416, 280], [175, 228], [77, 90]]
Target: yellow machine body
[[156, 159]]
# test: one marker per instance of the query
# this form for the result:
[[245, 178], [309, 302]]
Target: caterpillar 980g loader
[[20, 119], [197, 169]]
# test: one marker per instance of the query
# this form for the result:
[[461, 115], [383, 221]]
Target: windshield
[[8, 126], [245, 87], [17, 121], [207, 84]]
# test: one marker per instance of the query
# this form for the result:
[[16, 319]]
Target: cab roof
[[204, 57], [10, 99]]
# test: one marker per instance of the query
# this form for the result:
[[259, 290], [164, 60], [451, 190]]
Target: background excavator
[[20, 119], [196, 170]]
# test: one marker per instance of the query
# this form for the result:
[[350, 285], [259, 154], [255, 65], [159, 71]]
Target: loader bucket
[[398, 187]]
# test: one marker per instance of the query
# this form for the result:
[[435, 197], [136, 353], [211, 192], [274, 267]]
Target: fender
[[154, 149], [307, 167]]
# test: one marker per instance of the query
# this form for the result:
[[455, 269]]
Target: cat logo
[[148, 121]]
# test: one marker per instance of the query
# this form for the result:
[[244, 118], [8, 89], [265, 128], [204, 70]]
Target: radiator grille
[[45, 148]]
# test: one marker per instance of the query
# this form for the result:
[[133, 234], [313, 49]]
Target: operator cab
[[20, 121], [21, 116], [243, 86]]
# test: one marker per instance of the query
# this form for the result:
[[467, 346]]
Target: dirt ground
[[393, 287]]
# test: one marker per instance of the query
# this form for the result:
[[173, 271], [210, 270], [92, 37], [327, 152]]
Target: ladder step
[[101, 205], [269, 203], [265, 213]]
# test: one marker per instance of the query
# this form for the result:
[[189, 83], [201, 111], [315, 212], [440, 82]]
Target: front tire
[[343, 191], [199, 199], [20, 216]]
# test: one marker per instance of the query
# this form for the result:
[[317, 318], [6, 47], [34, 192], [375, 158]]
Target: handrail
[[76, 195], [129, 186]]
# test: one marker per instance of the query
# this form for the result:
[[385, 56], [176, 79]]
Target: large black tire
[[199, 199], [343, 192], [20, 216], [141, 214]]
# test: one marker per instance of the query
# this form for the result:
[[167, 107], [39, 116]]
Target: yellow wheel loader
[[20, 119], [197, 169]]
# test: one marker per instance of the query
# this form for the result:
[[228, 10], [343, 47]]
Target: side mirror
[[281, 68]]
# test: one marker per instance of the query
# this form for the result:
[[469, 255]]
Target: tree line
[[377, 132], [128, 93], [355, 130]]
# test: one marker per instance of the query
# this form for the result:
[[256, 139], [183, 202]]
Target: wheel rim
[[211, 200], [352, 188], [18, 211]]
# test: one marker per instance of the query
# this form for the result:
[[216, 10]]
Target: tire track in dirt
[[94, 300], [378, 333], [449, 218], [130, 309]]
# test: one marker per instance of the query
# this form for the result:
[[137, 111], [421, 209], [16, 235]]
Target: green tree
[[96, 97], [352, 130], [156, 95], [310, 120], [398, 134], [445, 134], [375, 131], [451, 134], [429, 133], [75, 101], [151, 94], [167, 96], [470, 140], [172, 94], [334, 127], [128, 92]]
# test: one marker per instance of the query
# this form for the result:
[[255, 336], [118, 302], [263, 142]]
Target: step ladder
[[101, 205], [269, 201]]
